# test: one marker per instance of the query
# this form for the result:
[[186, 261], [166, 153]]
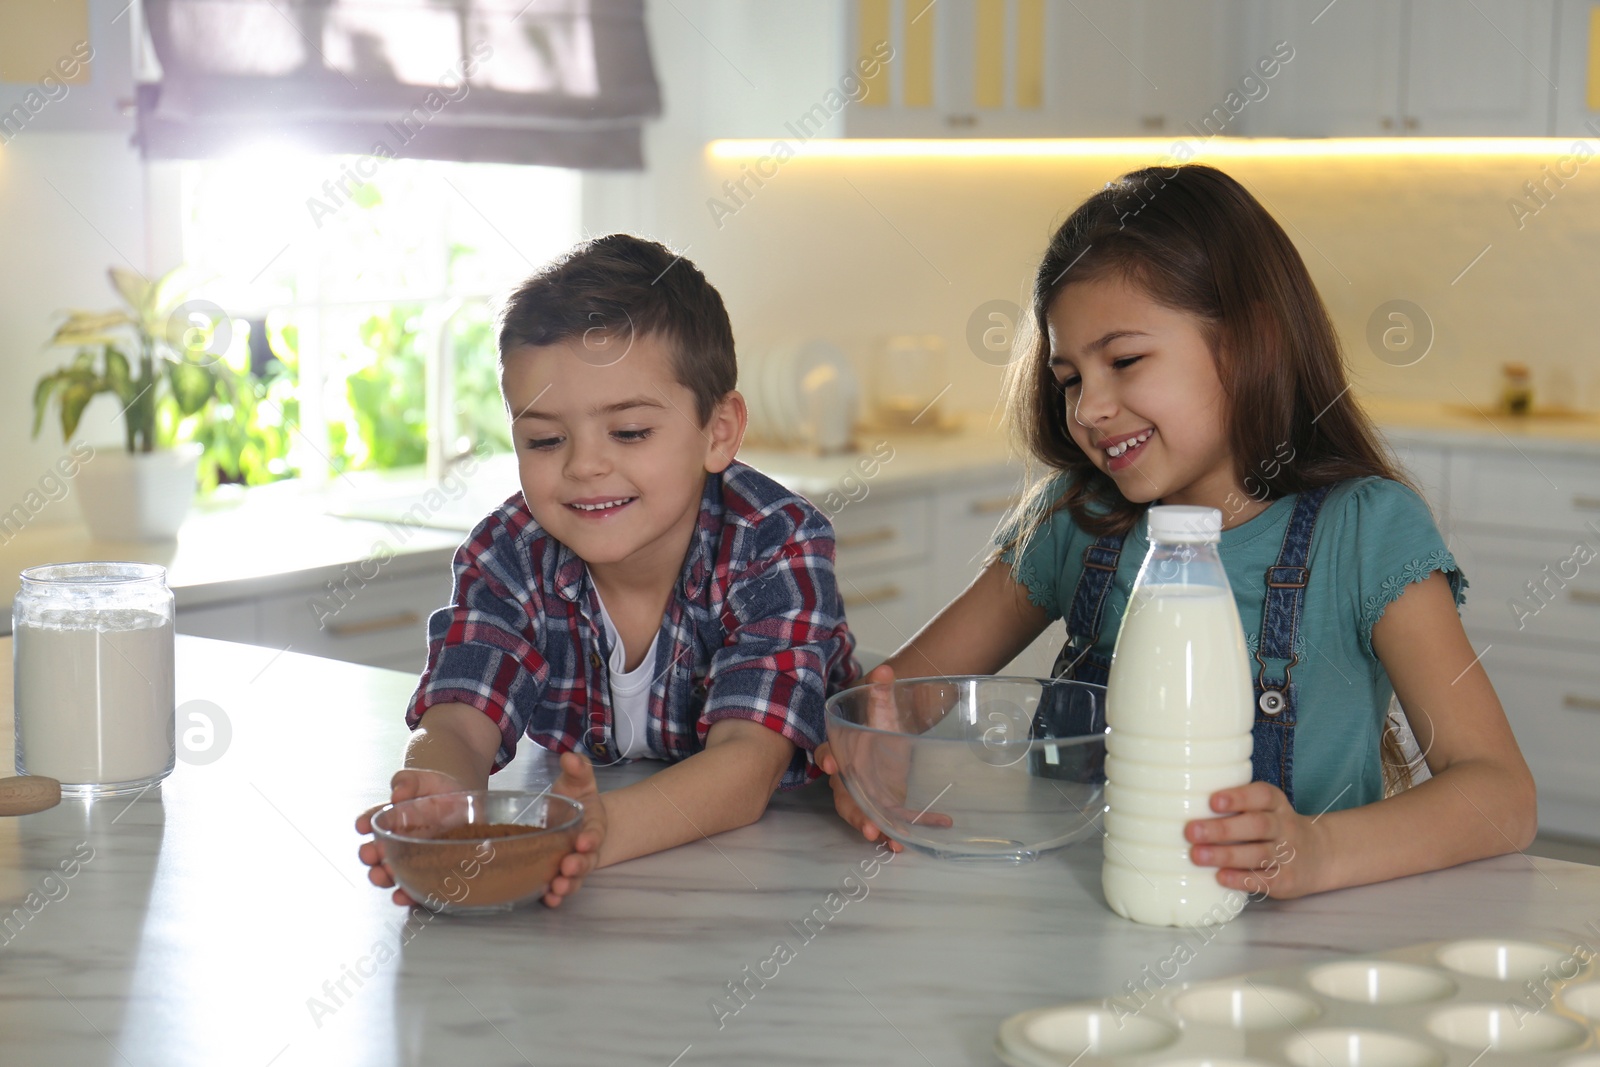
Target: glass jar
[[908, 380], [93, 670]]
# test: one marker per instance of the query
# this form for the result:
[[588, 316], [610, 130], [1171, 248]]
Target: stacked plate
[[799, 393]]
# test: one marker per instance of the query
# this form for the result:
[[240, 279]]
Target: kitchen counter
[[220, 914], [1466, 424], [290, 537], [295, 538], [273, 542], [921, 461]]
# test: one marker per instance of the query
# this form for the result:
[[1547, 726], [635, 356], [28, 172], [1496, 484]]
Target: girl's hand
[[406, 784], [577, 781], [843, 802], [1262, 845]]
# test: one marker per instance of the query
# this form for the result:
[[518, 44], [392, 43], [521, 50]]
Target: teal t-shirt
[[1373, 538]]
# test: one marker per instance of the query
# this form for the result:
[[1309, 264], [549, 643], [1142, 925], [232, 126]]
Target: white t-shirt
[[630, 692]]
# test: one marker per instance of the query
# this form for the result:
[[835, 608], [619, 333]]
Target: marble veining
[[224, 919]]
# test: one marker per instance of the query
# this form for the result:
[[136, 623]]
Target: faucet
[[444, 452]]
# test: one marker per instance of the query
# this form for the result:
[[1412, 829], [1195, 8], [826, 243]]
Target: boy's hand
[[406, 784], [1263, 845], [577, 782]]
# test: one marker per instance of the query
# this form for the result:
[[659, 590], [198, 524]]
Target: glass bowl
[[477, 851], [980, 767]]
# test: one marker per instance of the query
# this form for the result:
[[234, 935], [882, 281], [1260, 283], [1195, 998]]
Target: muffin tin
[[1439, 1004]]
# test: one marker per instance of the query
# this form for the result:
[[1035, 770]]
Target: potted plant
[[144, 492]]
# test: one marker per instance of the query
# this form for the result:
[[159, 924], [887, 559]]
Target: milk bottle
[[1180, 708]]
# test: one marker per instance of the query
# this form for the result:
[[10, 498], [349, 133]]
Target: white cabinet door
[[1185, 54], [382, 623], [884, 605], [965, 521], [1033, 68], [1427, 466], [1479, 68], [234, 621], [882, 549], [1344, 77], [1554, 710], [1577, 74], [1092, 70], [1526, 492]]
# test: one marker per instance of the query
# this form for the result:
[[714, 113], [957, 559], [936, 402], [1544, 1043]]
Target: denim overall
[[1273, 732]]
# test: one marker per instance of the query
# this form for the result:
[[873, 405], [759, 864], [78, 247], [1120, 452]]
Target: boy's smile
[[610, 457]]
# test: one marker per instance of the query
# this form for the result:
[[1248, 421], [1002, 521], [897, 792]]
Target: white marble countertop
[[269, 543], [216, 907], [1468, 424]]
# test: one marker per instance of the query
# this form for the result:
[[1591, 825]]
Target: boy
[[645, 594]]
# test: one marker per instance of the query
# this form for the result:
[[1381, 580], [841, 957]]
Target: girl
[[1181, 355]]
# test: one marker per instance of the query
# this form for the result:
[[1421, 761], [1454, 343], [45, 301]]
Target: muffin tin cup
[[1485, 1001]]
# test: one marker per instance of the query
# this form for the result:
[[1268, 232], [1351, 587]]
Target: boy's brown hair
[[620, 287]]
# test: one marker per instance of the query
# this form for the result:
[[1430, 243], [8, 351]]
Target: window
[[357, 273]]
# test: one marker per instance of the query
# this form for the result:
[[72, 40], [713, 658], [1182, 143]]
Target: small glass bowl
[[974, 767], [479, 850]]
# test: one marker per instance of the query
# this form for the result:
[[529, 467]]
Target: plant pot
[[141, 496]]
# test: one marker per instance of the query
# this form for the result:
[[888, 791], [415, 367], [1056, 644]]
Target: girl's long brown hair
[[1193, 239]]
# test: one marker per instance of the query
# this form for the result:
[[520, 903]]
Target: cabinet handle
[[1386, 122], [1587, 597], [872, 596], [871, 537], [1587, 503], [398, 621], [1410, 122], [1153, 122], [993, 504], [1581, 703]]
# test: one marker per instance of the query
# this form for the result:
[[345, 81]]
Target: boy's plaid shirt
[[755, 630]]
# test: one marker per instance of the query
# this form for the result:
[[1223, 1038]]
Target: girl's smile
[[1121, 451]]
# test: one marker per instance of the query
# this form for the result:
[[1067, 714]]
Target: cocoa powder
[[511, 865], [473, 831]]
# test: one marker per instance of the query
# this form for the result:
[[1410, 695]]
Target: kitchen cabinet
[[233, 621], [893, 580], [1479, 68], [1123, 68], [1027, 68], [1553, 703], [380, 622], [882, 550], [1427, 467], [1344, 79], [1577, 73], [1525, 527], [67, 68], [1420, 68]]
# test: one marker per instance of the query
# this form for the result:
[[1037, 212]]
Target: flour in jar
[[94, 697]]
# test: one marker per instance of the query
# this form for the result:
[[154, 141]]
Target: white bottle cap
[[1184, 524]]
